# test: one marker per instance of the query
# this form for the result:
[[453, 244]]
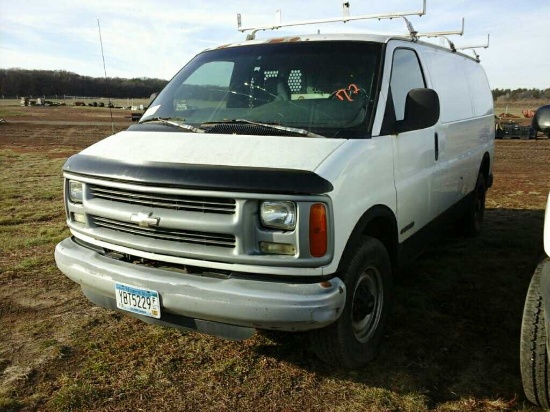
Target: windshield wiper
[[301, 132], [174, 123]]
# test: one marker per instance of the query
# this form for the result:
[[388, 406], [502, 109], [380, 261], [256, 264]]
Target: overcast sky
[[155, 38]]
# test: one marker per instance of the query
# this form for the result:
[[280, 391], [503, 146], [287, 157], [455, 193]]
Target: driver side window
[[406, 75]]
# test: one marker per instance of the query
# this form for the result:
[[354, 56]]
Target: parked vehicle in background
[[279, 184], [541, 120]]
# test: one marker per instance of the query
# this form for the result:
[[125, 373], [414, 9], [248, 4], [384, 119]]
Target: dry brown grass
[[452, 345]]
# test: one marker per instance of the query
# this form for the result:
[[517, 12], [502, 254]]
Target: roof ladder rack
[[477, 46], [444, 34], [345, 18]]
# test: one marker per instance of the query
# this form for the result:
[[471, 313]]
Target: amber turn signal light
[[318, 230]]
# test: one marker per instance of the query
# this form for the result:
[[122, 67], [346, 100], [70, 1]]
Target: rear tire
[[535, 368], [471, 223], [353, 340]]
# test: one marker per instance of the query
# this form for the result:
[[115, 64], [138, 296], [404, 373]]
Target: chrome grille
[[218, 205], [185, 236]]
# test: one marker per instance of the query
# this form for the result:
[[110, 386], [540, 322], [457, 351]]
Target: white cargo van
[[280, 184]]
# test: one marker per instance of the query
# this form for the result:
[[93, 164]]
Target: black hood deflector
[[202, 177]]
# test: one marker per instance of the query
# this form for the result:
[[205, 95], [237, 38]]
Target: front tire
[[535, 368], [353, 340]]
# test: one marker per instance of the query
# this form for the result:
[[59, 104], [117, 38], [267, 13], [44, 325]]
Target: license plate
[[137, 300]]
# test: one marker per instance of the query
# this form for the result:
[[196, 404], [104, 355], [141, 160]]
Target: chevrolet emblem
[[145, 219]]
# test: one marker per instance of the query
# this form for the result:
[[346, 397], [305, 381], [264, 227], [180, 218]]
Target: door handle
[[436, 145]]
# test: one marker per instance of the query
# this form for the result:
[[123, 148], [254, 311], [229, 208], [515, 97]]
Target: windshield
[[324, 88]]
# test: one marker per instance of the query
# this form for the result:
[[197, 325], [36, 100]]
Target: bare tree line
[[509, 95], [16, 83]]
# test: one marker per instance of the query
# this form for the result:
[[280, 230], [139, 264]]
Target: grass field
[[452, 344]]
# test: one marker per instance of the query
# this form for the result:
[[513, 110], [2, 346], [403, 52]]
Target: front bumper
[[231, 308]]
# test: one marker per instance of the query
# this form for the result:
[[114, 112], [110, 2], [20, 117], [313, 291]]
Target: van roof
[[375, 38]]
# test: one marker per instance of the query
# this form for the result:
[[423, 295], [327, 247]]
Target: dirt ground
[[61, 131], [66, 114], [38, 305]]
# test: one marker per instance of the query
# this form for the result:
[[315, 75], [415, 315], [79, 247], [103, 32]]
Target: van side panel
[[465, 131], [448, 78], [414, 162]]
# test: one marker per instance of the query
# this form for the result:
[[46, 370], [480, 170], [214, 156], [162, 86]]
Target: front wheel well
[[380, 223]]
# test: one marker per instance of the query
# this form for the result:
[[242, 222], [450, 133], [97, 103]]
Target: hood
[[277, 152]]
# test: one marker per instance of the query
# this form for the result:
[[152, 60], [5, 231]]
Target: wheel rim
[[366, 306]]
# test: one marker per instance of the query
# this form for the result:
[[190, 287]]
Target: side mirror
[[541, 120], [421, 110]]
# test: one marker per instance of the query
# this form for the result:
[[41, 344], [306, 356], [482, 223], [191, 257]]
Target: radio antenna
[[105, 71]]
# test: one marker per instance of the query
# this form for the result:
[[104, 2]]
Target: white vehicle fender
[[546, 235], [361, 172]]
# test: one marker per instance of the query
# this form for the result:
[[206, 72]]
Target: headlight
[[75, 191], [278, 215]]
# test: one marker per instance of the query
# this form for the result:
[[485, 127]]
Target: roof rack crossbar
[[443, 33], [477, 46], [345, 18]]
